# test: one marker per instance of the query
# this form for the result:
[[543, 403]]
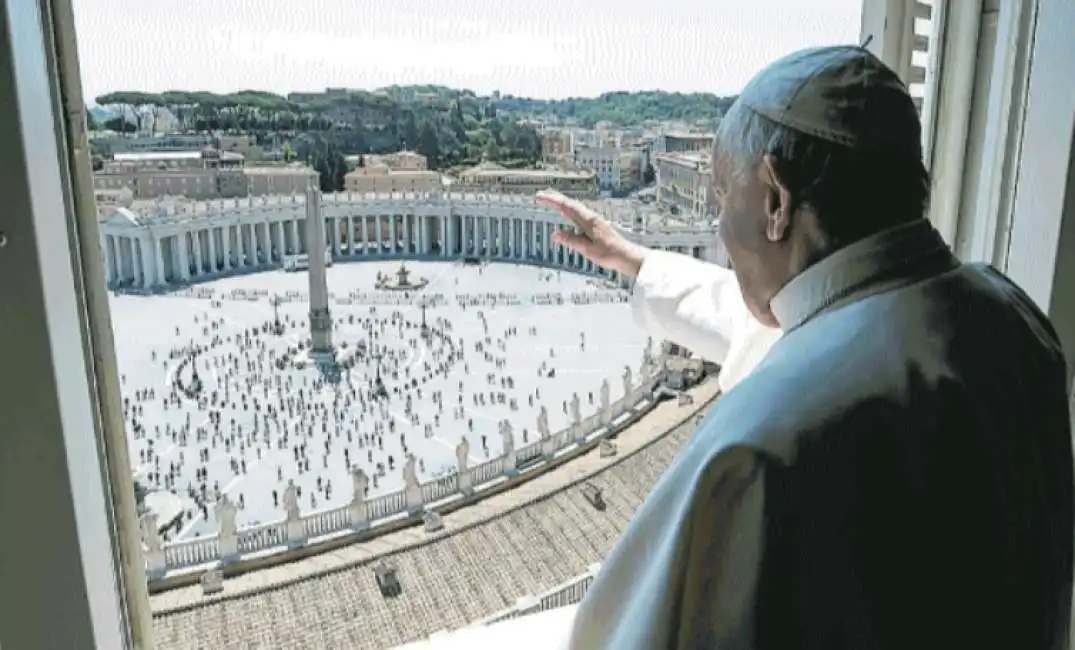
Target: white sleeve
[[689, 302]]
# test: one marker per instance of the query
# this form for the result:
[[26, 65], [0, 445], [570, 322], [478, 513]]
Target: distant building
[[205, 174], [556, 145], [490, 177], [115, 143], [617, 168], [246, 145], [270, 179], [683, 143], [602, 161], [683, 181], [405, 171]]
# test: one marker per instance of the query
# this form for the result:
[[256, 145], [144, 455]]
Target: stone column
[[240, 246], [419, 234], [121, 256], [504, 235], [279, 234], [149, 267], [259, 236], [276, 242], [197, 237], [407, 234], [453, 234], [107, 258], [136, 264], [158, 259], [184, 256], [487, 236], [246, 237], [518, 235], [350, 236], [336, 236], [365, 235], [225, 240], [267, 240], [213, 254]]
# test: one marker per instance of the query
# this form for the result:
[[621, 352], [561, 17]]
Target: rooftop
[[696, 159], [141, 156], [494, 170], [293, 168], [683, 135]]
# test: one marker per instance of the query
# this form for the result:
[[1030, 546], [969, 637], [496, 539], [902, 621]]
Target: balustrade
[[231, 543], [563, 595]]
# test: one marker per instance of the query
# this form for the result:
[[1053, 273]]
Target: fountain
[[400, 281]]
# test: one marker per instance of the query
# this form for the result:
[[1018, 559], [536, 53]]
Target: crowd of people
[[244, 411]]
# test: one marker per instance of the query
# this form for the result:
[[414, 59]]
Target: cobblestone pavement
[[491, 554]]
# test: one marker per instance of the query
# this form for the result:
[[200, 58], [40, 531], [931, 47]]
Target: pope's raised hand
[[597, 240]]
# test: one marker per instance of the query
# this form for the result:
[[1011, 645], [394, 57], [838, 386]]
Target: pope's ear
[[777, 200]]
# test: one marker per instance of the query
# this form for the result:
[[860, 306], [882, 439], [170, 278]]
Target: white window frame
[[1040, 253], [68, 578], [972, 117], [1001, 105]]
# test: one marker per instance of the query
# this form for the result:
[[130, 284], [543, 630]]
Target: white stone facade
[[169, 243]]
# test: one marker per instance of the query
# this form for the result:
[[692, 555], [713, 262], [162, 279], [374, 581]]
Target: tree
[[141, 105], [120, 125], [409, 132], [457, 127], [428, 145], [330, 165]]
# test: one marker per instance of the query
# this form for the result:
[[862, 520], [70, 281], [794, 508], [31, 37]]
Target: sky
[[548, 48]]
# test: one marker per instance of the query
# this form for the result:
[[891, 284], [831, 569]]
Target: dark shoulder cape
[[919, 485]]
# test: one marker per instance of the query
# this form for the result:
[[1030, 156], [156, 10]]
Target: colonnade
[[149, 251]]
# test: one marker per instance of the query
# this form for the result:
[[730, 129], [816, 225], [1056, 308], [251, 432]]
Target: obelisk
[[321, 350]]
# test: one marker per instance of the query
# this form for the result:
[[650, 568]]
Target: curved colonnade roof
[[178, 209], [517, 544]]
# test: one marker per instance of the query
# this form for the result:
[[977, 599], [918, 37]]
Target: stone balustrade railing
[[563, 595], [361, 514]]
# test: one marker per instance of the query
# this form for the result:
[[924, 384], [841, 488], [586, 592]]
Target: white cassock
[[894, 471], [698, 305]]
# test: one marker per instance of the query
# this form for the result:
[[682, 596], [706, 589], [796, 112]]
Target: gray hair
[[742, 137], [837, 182]]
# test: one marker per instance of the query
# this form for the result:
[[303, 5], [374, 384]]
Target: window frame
[[62, 417]]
